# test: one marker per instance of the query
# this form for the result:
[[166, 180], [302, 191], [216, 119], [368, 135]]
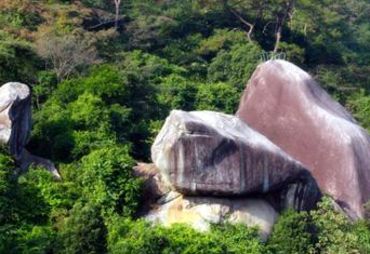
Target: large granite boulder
[[285, 104], [210, 153], [15, 125], [201, 212]]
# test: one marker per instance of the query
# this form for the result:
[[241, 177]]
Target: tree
[[282, 14], [18, 61], [67, 53], [254, 9], [248, 12], [117, 4]]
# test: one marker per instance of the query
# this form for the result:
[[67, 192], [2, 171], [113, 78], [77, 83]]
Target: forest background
[[104, 75]]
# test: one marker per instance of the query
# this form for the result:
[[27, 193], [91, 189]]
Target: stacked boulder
[[284, 103], [288, 144], [220, 165], [15, 126]]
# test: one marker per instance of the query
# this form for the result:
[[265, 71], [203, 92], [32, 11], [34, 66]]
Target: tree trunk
[[278, 38], [281, 18], [248, 24], [117, 4]]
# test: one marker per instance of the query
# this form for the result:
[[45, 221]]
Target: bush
[[362, 232], [294, 53], [176, 92], [106, 180], [221, 39], [33, 240], [292, 233], [359, 104], [83, 231], [7, 183], [334, 231], [59, 195], [127, 236], [17, 60], [235, 66], [217, 97]]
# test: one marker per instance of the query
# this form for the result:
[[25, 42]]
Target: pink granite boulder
[[285, 104]]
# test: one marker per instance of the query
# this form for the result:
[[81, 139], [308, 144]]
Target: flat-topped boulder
[[210, 153], [15, 125], [285, 104]]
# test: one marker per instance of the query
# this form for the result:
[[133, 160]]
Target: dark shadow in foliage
[[83, 231]]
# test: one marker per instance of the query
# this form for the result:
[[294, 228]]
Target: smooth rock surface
[[15, 125], [285, 104], [15, 116], [210, 153], [200, 212]]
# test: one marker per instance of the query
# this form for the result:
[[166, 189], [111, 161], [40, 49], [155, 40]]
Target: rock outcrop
[[15, 117], [154, 187], [210, 153], [285, 104], [15, 125], [201, 212]]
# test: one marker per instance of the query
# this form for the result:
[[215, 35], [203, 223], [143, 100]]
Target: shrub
[[176, 92], [334, 231], [136, 237], [236, 65], [217, 97], [106, 179], [292, 233], [83, 231], [359, 104]]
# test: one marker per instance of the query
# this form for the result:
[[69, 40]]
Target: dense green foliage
[[325, 230], [101, 93], [140, 237]]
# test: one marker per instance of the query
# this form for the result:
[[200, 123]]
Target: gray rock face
[[285, 104], [15, 125], [201, 212], [15, 116], [210, 153]]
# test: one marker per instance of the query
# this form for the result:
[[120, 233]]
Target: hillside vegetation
[[105, 74]]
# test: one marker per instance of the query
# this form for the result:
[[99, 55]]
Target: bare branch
[[66, 53], [241, 19]]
